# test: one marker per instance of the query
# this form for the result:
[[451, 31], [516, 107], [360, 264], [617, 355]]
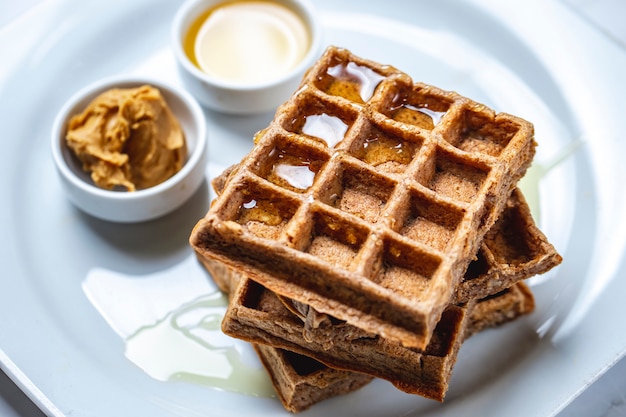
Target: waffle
[[514, 249], [259, 316], [367, 196], [301, 381]]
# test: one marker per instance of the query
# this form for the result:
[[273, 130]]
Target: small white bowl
[[140, 205], [232, 97]]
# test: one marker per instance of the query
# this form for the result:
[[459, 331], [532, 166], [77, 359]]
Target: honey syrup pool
[[170, 324]]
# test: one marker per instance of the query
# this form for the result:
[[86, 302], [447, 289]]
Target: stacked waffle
[[374, 226]]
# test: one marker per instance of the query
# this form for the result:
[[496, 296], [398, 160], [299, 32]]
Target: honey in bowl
[[247, 42]]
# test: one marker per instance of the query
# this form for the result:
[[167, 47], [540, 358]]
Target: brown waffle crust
[[514, 249], [259, 316], [301, 382], [403, 182]]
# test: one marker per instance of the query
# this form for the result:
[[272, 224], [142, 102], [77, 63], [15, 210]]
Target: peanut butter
[[128, 139]]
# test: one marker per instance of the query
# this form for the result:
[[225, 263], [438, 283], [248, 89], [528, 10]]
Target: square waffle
[[367, 196], [259, 316], [517, 245]]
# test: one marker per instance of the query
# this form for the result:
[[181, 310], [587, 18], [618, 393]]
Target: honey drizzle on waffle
[[377, 240]]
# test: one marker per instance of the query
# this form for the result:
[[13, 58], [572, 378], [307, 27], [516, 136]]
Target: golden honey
[[352, 81], [247, 42], [330, 129]]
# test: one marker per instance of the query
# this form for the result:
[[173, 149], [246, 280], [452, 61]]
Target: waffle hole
[[358, 192], [458, 179], [442, 342], [252, 295], [386, 151], [265, 213], [264, 302], [334, 240], [292, 166], [350, 80], [320, 121], [511, 240], [483, 134], [479, 267], [302, 365], [406, 269], [417, 106], [430, 223]]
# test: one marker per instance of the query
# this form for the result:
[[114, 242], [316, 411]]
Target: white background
[[606, 397]]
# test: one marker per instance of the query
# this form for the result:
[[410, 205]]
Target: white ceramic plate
[[95, 316]]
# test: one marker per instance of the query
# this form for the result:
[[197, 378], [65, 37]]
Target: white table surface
[[604, 398]]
